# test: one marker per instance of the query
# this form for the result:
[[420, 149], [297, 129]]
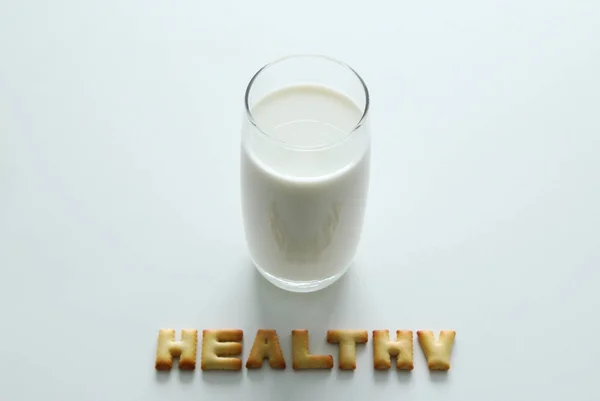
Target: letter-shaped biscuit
[[266, 345], [301, 357], [184, 349], [402, 349], [347, 340], [219, 344], [437, 352]]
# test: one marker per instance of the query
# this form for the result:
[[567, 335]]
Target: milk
[[304, 184]]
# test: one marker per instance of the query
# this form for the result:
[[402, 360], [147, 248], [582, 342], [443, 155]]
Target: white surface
[[120, 210]]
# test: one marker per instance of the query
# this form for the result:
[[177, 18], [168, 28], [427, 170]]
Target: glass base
[[301, 286]]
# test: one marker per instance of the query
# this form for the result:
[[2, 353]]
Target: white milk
[[303, 207]]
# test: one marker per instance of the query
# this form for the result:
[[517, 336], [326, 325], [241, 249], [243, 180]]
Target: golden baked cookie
[[347, 340], [218, 348], [266, 346], [384, 349], [438, 351], [301, 357], [168, 348]]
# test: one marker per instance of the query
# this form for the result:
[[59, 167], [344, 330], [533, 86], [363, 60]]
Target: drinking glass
[[305, 161]]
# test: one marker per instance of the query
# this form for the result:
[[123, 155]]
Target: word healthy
[[220, 349]]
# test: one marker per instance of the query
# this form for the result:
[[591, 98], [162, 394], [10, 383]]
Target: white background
[[120, 210]]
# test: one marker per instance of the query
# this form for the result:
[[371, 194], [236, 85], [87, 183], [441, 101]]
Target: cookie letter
[[437, 352], [184, 349], [301, 357], [347, 340], [218, 346], [266, 345], [402, 349]]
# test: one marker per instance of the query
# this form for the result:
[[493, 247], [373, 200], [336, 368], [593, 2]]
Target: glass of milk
[[304, 170]]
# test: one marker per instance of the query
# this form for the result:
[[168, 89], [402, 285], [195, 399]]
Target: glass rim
[[359, 124]]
